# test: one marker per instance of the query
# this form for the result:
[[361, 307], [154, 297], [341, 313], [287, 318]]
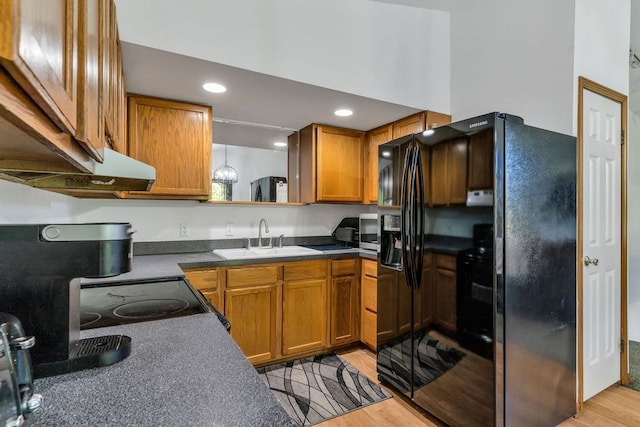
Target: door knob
[[588, 261]]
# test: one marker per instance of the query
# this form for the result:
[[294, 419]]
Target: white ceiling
[[251, 97]]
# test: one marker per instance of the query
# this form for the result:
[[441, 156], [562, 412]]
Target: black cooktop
[[130, 302]]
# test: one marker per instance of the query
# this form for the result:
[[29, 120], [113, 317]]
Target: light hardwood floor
[[614, 407]]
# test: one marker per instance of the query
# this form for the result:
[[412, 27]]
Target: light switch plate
[[228, 229]]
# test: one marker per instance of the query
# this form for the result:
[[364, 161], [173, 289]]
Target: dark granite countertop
[[171, 265], [181, 371]]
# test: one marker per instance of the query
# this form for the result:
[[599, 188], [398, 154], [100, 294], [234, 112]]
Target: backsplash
[[456, 221]]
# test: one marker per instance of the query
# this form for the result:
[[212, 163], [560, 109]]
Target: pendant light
[[225, 173]]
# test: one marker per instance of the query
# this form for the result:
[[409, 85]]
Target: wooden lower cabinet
[[444, 282], [206, 281], [369, 303], [304, 316], [344, 302], [388, 295], [252, 313], [427, 292]]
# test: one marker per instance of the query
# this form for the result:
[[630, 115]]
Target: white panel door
[[601, 242]]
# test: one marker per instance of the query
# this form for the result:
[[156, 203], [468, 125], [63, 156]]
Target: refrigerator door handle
[[410, 235], [403, 210], [420, 201]]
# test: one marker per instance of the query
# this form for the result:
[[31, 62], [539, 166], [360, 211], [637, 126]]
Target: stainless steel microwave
[[368, 231]]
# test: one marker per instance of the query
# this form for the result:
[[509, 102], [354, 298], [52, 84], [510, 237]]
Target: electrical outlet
[[184, 229], [228, 229]]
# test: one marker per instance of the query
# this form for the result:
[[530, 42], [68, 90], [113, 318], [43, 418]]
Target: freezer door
[[537, 315]]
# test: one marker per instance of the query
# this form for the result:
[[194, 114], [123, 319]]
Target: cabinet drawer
[[203, 279], [446, 261], [302, 270], [237, 277], [343, 267], [370, 293], [370, 268], [369, 328]]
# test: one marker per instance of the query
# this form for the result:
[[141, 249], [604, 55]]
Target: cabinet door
[[427, 292], [445, 287], [438, 172], [344, 298], [175, 138], [206, 281], [375, 138], [387, 307], [252, 314], [457, 172], [39, 49], [369, 326], [481, 161], [409, 125], [448, 173], [89, 130], [304, 316], [340, 165], [404, 305]]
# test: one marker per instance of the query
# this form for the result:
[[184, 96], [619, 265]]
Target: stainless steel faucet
[[266, 230]]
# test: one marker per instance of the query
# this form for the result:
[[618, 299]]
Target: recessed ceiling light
[[428, 132], [343, 112], [280, 144], [214, 87], [386, 154]]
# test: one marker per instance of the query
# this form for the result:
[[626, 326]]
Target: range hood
[[117, 173]]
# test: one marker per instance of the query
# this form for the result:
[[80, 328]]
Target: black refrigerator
[[504, 351]]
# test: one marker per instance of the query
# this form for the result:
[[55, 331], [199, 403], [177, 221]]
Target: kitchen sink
[[266, 252]]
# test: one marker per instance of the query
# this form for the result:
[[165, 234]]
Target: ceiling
[[270, 108]]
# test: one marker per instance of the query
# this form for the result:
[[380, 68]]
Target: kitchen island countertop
[[181, 371]]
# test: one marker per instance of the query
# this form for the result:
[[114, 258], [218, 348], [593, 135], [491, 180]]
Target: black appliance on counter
[[265, 189], [516, 312], [40, 270]]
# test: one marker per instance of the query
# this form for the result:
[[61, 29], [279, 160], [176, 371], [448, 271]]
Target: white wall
[[157, 220], [515, 57], [389, 52], [602, 33], [633, 230]]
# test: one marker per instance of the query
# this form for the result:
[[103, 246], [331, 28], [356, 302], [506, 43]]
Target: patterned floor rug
[[432, 359], [634, 365], [317, 388]]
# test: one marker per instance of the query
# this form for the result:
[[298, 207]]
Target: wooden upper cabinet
[[38, 47], [115, 121], [375, 138], [331, 164], [406, 126], [481, 161], [409, 125], [448, 173], [90, 131], [175, 138]]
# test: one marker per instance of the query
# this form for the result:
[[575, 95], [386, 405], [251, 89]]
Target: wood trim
[[586, 84]]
